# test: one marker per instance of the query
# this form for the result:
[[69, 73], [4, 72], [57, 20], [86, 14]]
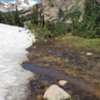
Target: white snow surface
[[26, 4], [14, 80]]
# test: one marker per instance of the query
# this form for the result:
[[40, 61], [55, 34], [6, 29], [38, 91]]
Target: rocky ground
[[79, 67]]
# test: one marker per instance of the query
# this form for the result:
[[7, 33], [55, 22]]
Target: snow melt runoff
[[14, 79]]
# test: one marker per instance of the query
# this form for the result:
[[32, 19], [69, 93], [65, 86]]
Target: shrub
[[89, 26], [57, 29], [13, 18]]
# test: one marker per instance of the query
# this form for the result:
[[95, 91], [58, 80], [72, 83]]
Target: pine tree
[[18, 20]]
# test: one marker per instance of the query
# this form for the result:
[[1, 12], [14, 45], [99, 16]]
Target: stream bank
[[52, 62]]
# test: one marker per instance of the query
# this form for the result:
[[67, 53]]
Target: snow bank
[[27, 4], [13, 78]]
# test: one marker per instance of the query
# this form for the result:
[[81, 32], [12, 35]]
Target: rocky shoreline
[[43, 63]]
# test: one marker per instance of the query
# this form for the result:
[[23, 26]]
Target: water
[[52, 74]]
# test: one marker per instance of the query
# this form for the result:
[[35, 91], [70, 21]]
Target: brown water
[[85, 90]]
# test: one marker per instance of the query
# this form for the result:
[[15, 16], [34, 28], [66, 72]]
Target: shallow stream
[[86, 91]]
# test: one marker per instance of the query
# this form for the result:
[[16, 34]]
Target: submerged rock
[[62, 82], [89, 54], [54, 92]]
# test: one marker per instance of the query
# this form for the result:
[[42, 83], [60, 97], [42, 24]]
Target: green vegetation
[[12, 18], [48, 29], [88, 27], [80, 43]]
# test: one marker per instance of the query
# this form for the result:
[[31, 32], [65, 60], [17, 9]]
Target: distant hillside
[[52, 7]]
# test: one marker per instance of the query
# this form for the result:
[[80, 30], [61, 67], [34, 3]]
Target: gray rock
[[62, 82], [54, 92], [89, 54]]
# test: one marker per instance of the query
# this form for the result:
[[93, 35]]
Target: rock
[[34, 47], [51, 8], [54, 92], [62, 82], [89, 54], [67, 60]]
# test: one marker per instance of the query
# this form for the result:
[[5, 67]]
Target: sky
[[12, 0]]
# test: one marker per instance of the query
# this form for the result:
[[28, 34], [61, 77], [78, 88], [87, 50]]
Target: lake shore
[[54, 56]]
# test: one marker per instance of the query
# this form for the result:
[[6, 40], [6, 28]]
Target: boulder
[[52, 8], [54, 92]]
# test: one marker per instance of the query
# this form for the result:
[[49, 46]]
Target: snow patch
[[14, 79], [26, 4]]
